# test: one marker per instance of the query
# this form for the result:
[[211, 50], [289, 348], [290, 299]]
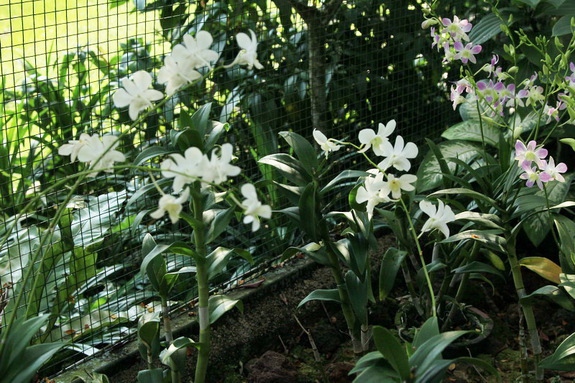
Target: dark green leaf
[[430, 175], [392, 350], [563, 359], [288, 167], [322, 295], [151, 376], [220, 304], [390, 265], [470, 130], [358, 295], [485, 29], [563, 26], [304, 151], [218, 221], [217, 261]]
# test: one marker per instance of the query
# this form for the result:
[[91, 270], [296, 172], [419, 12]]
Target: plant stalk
[[527, 308], [344, 297], [203, 286]]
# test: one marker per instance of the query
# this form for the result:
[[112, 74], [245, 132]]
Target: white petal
[[121, 98], [410, 150], [319, 137], [249, 191], [427, 207], [386, 130], [142, 79], [244, 41], [365, 136], [204, 39]]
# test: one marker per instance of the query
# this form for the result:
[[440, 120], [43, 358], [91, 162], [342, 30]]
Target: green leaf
[[428, 330], [485, 366], [151, 152], [429, 174], [553, 293], [542, 266], [343, 176], [19, 338], [308, 211], [149, 334], [217, 261], [392, 351], [358, 295], [569, 141], [218, 221], [488, 220], [304, 151], [532, 3], [187, 138], [175, 355], [478, 267], [321, 295], [485, 29], [154, 267], [390, 265], [566, 231], [216, 131], [29, 362], [220, 304], [288, 167], [563, 359], [200, 120], [468, 192], [470, 130], [151, 376], [537, 226], [563, 26], [434, 372], [489, 237], [431, 350]]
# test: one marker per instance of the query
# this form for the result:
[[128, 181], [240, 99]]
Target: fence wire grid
[[62, 61]]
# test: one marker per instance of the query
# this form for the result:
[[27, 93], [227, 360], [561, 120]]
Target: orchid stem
[[423, 265]]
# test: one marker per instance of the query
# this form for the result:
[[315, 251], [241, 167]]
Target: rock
[[338, 372], [271, 367], [326, 337]]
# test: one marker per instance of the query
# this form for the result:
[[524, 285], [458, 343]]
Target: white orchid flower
[[218, 168], [396, 185], [171, 205], [253, 208], [176, 74], [248, 54], [184, 169], [370, 139], [195, 52], [327, 145], [73, 147], [397, 155], [92, 153], [136, 95], [373, 191], [438, 218]]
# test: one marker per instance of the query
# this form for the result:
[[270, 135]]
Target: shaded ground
[[275, 341]]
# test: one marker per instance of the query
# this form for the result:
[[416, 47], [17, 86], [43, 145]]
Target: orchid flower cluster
[[451, 37], [381, 186], [99, 153], [183, 66], [543, 171], [500, 96], [195, 166]]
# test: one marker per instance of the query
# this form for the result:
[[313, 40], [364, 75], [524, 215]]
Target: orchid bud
[[427, 23]]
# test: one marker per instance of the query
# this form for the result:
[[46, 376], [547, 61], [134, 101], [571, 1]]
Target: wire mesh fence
[[61, 63]]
